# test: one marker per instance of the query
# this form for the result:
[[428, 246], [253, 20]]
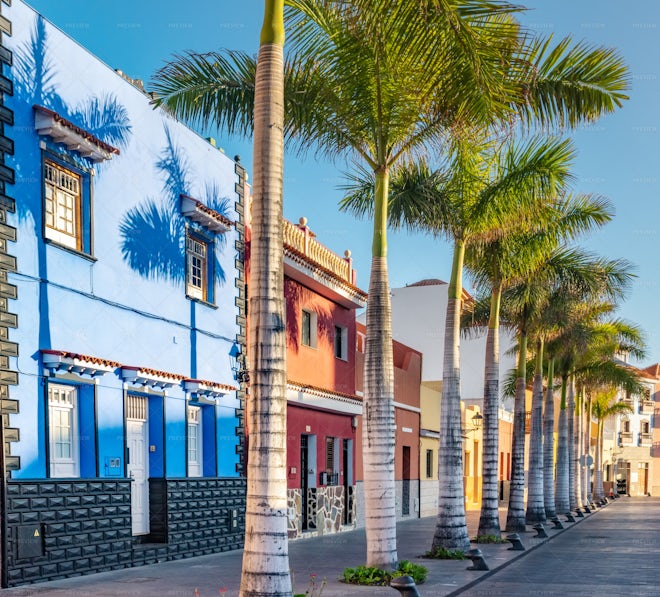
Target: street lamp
[[238, 367], [477, 420]]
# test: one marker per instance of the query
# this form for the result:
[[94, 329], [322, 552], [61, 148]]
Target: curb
[[486, 575]]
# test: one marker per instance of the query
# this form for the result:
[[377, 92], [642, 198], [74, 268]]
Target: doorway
[[137, 462], [304, 468], [405, 475]]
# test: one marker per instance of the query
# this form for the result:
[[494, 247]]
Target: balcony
[[645, 439], [625, 437], [646, 406]]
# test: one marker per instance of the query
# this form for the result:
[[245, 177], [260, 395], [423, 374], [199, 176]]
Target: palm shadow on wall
[[35, 83], [153, 233]]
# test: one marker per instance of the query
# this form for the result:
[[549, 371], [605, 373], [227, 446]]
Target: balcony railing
[[301, 238], [646, 406], [645, 439], [625, 437]]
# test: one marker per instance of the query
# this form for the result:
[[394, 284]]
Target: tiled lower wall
[[85, 525], [325, 510]]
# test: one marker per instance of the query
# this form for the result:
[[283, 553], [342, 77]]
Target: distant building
[[630, 461], [121, 298], [418, 320]]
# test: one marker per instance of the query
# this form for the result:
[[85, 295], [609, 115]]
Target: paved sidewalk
[[326, 557]]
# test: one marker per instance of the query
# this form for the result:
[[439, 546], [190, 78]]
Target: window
[[429, 464], [194, 441], [198, 268], [625, 426], [341, 342], [645, 427], [308, 328], [63, 431], [332, 453], [67, 206]]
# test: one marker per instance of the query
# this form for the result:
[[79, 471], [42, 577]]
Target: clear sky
[[619, 156]]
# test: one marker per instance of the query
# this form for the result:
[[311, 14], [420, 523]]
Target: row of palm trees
[[434, 102]]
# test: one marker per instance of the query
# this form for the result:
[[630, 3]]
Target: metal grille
[[136, 407]]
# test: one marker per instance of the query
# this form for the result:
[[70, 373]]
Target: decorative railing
[[647, 406], [300, 238], [645, 438], [625, 437]]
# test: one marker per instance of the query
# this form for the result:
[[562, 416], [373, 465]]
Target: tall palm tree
[[265, 568]]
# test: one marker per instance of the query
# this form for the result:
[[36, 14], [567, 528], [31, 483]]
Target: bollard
[[540, 531], [478, 562], [578, 513], [587, 510], [569, 517], [557, 523], [405, 585], [516, 543]]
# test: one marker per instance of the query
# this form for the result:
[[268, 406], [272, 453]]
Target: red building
[[323, 408]]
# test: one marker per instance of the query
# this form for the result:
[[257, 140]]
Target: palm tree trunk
[[489, 520], [579, 430], [599, 492], [561, 494], [515, 517], [587, 450], [378, 429], [549, 445], [451, 528], [572, 486], [535, 506], [265, 569]]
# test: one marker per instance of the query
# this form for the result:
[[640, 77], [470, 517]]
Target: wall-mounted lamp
[[354, 421], [237, 360], [477, 420]]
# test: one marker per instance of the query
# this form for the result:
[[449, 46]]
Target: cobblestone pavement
[[612, 552]]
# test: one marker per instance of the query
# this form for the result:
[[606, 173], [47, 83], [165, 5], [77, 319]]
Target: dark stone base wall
[[85, 525]]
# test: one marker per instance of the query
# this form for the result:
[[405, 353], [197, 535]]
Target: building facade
[[322, 406], [122, 421], [407, 412]]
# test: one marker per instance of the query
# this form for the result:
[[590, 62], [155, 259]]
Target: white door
[[194, 442], [138, 463]]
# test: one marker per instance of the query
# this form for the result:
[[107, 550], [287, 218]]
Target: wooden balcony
[[301, 239]]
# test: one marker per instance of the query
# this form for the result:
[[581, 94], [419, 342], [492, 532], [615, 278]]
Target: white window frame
[[194, 443], [62, 205], [63, 401], [197, 267], [313, 328]]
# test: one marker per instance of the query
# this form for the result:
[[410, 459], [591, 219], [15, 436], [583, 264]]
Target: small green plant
[[489, 539], [366, 575], [371, 575], [416, 571], [442, 553]]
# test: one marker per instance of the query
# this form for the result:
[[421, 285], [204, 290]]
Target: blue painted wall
[[125, 300]]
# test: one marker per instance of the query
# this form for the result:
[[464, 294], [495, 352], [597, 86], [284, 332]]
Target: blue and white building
[[122, 294]]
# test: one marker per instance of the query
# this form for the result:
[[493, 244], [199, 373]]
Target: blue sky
[[619, 156]]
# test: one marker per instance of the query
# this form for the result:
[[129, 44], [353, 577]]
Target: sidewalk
[[324, 557]]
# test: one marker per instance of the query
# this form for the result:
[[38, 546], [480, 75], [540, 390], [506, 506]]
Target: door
[[347, 482], [405, 494], [304, 468], [137, 462]]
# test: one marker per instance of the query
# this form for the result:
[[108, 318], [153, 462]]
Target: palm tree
[[382, 80], [265, 568]]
